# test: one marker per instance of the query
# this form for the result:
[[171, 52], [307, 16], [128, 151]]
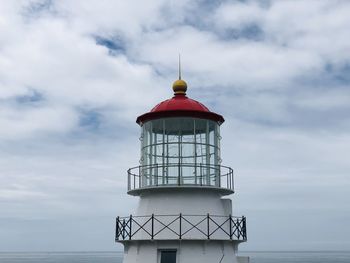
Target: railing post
[[134, 176], [244, 230], [233, 180], [180, 235], [140, 176], [208, 229], [129, 186], [230, 226], [228, 178], [201, 173], [130, 222], [152, 223], [156, 175], [219, 176], [179, 172], [117, 228]]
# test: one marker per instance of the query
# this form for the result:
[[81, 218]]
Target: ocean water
[[298, 257], [116, 257]]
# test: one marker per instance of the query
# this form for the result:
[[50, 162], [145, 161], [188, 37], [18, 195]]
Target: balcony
[[183, 175], [181, 227]]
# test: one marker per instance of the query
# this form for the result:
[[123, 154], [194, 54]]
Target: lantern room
[[180, 146]]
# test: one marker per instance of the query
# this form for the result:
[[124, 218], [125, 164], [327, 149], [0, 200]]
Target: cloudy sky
[[74, 75]]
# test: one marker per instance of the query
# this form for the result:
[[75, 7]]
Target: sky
[[74, 75]]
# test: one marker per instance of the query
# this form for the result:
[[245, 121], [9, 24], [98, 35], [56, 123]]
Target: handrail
[[184, 174], [184, 227]]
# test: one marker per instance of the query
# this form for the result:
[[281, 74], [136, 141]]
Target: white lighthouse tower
[[182, 215]]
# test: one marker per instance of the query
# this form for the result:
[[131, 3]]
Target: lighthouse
[[183, 213]]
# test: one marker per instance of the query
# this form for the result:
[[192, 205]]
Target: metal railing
[[184, 174], [184, 227]]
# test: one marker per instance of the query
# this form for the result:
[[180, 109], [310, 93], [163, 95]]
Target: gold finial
[[179, 86]]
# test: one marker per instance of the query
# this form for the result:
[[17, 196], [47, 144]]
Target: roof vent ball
[[179, 87]]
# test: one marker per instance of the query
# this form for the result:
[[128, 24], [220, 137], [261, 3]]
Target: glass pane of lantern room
[[212, 153], [201, 150], [171, 150], [146, 153], [157, 151], [187, 151]]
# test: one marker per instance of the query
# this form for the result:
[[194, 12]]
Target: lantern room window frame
[[184, 148]]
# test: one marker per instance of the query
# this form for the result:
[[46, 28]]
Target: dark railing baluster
[[152, 230], [129, 186], [117, 228], [140, 176], [180, 226], [244, 228], [130, 230], [232, 186], [134, 177], [228, 180], [208, 229], [230, 225]]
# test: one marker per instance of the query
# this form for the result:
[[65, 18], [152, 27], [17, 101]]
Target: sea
[[116, 257]]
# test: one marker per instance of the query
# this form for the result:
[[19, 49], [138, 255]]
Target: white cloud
[[239, 14], [21, 123]]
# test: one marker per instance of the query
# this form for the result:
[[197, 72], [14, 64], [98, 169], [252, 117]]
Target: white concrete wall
[[185, 201], [187, 251]]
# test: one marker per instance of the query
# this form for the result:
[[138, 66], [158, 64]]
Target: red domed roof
[[180, 102], [180, 106]]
